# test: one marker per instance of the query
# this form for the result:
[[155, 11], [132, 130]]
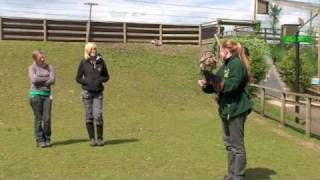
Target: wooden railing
[[285, 98], [61, 30], [265, 33]]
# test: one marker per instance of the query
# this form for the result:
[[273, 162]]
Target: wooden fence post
[[88, 31], [283, 109], [218, 28], [1, 35], [124, 32], [45, 34], [308, 117], [160, 33], [200, 35], [262, 102], [265, 35]]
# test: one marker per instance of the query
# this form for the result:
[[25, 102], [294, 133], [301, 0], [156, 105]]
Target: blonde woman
[[234, 104], [92, 73]]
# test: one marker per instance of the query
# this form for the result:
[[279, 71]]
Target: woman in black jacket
[[92, 73]]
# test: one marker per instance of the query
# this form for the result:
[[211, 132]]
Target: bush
[[287, 68], [258, 49], [277, 52]]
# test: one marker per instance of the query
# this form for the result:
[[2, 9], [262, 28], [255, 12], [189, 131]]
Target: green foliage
[[274, 14], [277, 51], [257, 27], [287, 68], [258, 49]]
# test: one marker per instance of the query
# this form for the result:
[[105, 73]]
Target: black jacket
[[92, 76]]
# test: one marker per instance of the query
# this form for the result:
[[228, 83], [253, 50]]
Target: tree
[[274, 13]]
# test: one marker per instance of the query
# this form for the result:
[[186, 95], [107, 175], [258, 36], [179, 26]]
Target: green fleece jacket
[[234, 98]]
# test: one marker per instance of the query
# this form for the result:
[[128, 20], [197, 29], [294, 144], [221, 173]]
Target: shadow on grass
[[69, 141], [259, 174], [109, 142], [120, 141]]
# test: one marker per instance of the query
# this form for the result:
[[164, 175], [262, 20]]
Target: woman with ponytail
[[234, 104]]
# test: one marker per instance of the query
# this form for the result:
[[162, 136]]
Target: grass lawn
[[158, 124]]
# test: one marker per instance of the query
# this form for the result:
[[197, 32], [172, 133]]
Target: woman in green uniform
[[234, 104]]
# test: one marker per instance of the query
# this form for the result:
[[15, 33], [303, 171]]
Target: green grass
[[158, 124]]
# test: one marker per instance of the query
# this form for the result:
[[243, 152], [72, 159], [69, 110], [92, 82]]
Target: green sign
[[301, 38]]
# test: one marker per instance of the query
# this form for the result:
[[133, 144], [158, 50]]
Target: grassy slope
[[158, 123]]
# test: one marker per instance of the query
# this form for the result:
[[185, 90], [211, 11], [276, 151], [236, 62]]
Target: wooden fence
[[283, 108], [265, 33], [61, 30]]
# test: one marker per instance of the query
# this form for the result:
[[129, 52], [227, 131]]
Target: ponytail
[[237, 49]]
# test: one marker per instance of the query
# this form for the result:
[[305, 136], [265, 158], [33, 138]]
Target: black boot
[[100, 135], [90, 129]]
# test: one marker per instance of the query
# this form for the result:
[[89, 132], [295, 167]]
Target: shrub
[[287, 68]]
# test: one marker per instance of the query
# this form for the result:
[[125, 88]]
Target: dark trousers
[[41, 106], [233, 138], [93, 105]]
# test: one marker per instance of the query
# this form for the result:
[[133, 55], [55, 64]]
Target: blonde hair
[[87, 49], [236, 49]]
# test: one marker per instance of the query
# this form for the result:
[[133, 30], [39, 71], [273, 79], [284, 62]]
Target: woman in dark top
[[234, 104], [92, 73]]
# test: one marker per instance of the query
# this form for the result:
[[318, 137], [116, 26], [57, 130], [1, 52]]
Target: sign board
[[301, 39], [315, 81], [289, 29]]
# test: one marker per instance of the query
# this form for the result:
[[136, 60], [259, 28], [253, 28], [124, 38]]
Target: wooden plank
[[1, 35], [181, 35], [181, 41], [161, 33], [6, 36], [96, 39], [108, 33], [66, 32], [64, 38], [66, 25], [124, 32], [143, 29], [143, 34], [45, 32], [283, 109], [308, 118], [8, 30], [180, 29], [88, 29], [139, 40], [262, 101], [318, 50], [208, 27], [200, 35], [23, 20], [22, 24], [107, 28]]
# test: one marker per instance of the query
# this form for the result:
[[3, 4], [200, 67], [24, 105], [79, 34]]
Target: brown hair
[[35, 53], [236, 49]]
